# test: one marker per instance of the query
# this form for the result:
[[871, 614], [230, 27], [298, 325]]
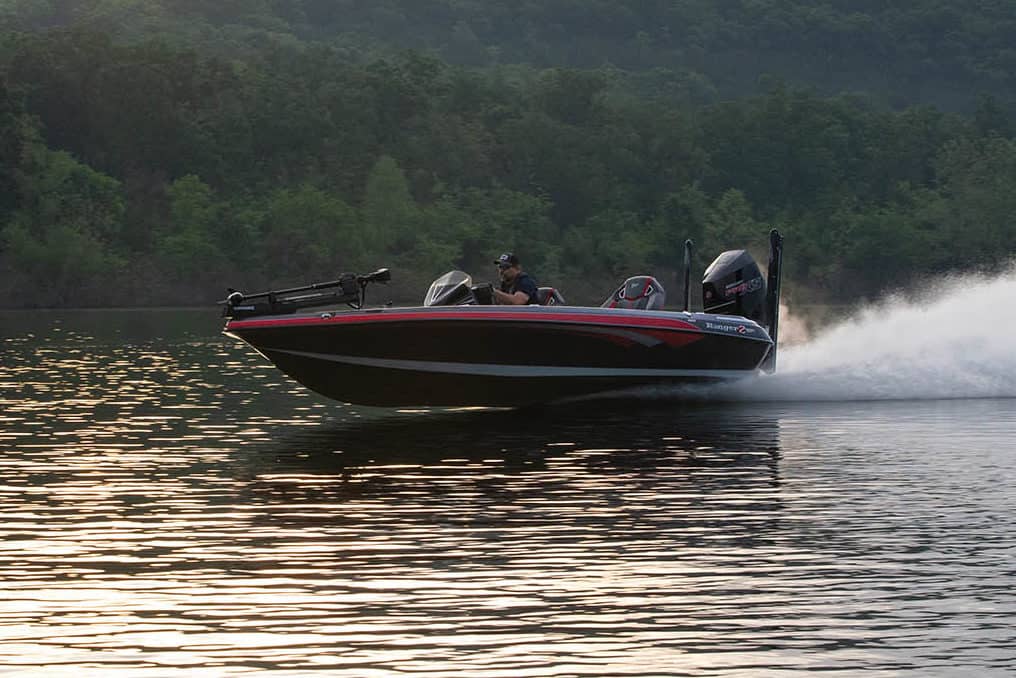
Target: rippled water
[[169, 503]]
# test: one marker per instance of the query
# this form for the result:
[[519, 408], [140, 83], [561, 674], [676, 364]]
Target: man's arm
[[516, 299]]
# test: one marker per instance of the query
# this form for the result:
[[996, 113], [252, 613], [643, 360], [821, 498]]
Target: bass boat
[[458, 349]]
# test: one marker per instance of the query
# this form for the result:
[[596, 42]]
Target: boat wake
[[957, 340]]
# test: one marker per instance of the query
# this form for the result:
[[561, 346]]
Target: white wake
[[957, 341]]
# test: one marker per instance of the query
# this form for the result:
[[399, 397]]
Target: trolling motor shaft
[[348, 289]]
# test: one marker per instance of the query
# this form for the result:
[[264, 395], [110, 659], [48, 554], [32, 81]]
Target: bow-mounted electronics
[[349, 288]]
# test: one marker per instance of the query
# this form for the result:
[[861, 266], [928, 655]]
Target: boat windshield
[[451, 289]]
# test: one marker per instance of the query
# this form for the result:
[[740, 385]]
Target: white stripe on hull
[[500, 370]]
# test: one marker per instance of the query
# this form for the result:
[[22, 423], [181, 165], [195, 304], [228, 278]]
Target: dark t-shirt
[[523, 283]]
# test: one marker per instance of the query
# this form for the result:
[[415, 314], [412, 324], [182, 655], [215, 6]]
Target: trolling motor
[[349, 289], [733, 285]]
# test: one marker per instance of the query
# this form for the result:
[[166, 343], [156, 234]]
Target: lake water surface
[[171, 504]]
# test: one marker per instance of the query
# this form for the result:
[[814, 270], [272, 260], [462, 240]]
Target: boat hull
[[500, 356]]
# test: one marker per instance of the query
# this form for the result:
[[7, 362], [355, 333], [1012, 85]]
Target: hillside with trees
[[911, 51], [155, 152]]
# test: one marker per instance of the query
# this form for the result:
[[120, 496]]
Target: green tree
[[189, 248], [15, 134], [978, 178], [389, 212], [59, 245], [306, 232]]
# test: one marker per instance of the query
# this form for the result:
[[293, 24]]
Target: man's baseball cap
[[507, 259]]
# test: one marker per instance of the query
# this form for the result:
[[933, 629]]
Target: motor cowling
[[733, 285]]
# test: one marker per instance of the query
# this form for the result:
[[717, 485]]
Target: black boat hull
[[501, 356]]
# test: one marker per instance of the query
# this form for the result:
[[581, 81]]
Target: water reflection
[[606, 466], [632, 431], [175, 505]]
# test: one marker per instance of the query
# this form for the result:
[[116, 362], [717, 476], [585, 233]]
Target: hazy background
[[155, 152]]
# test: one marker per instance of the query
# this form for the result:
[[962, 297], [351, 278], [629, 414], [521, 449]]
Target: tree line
[[939, 52], [154, 171]]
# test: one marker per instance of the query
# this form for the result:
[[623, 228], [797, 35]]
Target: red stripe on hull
[[674, 340], [379, 317]]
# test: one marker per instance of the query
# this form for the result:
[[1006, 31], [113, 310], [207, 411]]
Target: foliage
[[251, 144], [307, 231], [61, 242], [939, 51]]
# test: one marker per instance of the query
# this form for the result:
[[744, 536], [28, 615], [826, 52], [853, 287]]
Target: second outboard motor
[[733, 285], [642, 292]]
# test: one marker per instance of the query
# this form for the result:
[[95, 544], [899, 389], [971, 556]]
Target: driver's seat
[[548, 296]]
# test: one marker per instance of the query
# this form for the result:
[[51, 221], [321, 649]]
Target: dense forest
[[154, 152], [929, 51]]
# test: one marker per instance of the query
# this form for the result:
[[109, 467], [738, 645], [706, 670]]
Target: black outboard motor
[[733, 285], [641, 292]]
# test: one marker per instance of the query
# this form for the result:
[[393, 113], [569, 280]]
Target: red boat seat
[[548, 296], [643, 292]]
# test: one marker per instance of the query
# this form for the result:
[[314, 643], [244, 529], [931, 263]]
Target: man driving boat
[[517, 286]]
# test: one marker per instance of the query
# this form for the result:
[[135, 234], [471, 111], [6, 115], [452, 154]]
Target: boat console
[[456, 288]]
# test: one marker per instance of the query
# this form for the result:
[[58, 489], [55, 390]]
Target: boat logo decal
[[739, 329], [743, 287]]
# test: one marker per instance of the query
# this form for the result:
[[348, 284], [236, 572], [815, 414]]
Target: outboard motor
[[733, 285], [641, 292]]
